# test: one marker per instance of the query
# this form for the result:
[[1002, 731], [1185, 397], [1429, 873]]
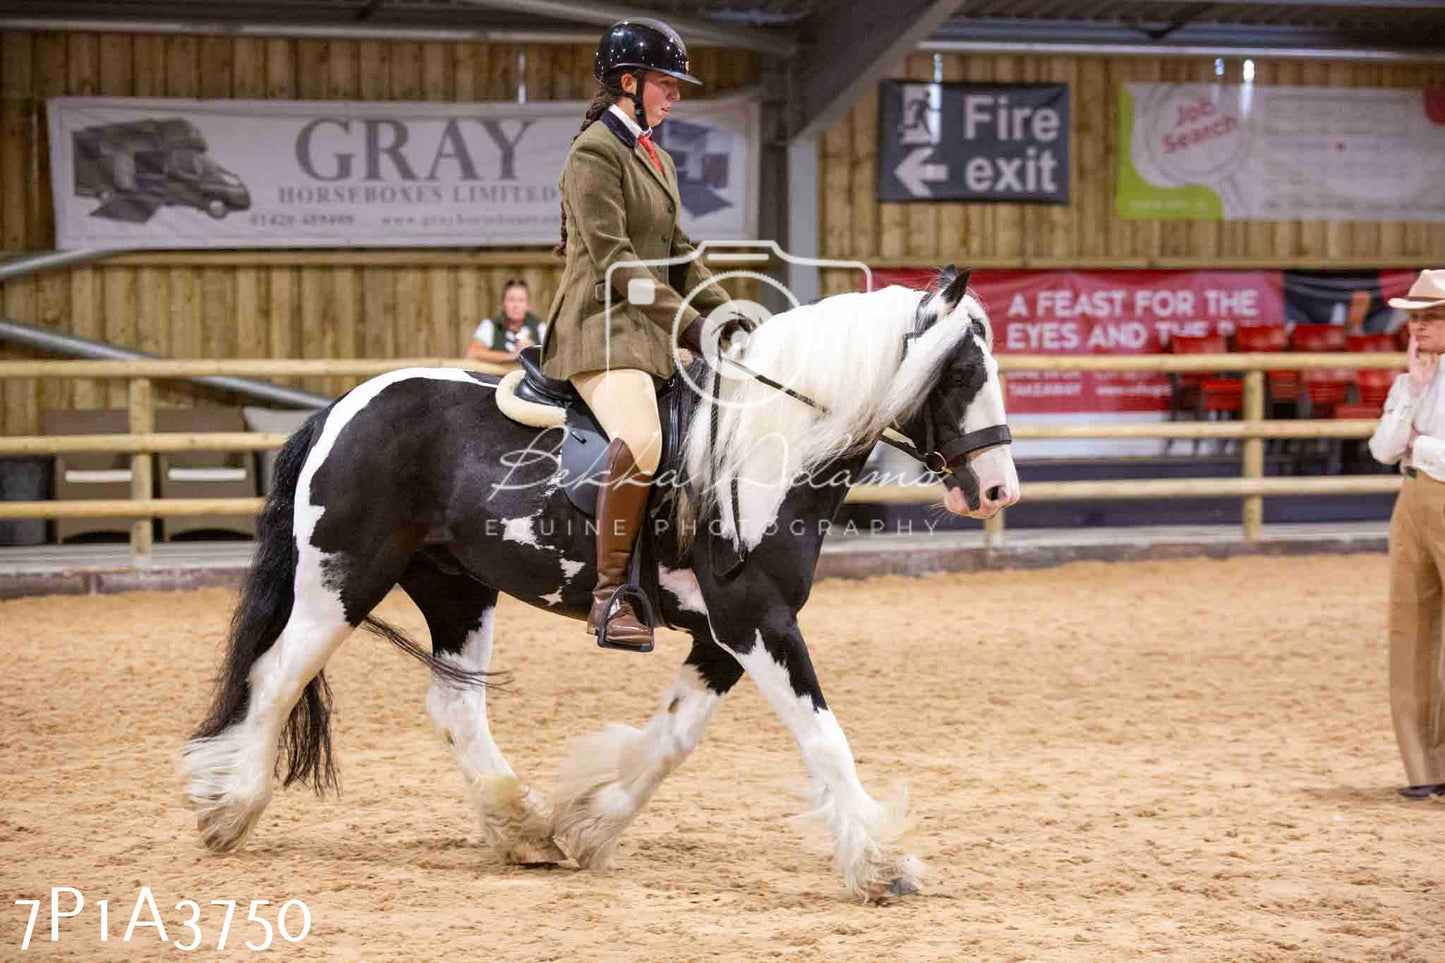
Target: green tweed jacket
[[620, 208]]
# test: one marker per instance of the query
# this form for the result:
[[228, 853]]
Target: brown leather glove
[[690, 337]]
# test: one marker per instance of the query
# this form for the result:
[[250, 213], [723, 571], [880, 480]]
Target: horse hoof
[[535, 852], [902, 887], [214, 835]]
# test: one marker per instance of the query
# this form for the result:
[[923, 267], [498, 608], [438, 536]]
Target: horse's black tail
[[261, 614]]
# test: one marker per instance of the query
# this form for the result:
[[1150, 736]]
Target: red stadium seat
[[1204, 393], [1221, 394], [1373, 384], [1283, 386], [1261, 337], [1371, 342], [1318, 337], [1326, 388], [1202, 344], [1323, 387], [1359, 411], [1352, 452]]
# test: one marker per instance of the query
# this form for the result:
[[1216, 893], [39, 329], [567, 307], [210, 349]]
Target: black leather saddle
[[585, 442], [581, 466]]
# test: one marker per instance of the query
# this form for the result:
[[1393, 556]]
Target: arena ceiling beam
[[359, 31], [983, 31], [698, 30], [1409, 26], [1341, 4], [852, 44], [502, 21]]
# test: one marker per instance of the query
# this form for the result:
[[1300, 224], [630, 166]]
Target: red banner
[[1106, 312]]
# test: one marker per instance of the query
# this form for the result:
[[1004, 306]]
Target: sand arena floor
[[1166, 761]]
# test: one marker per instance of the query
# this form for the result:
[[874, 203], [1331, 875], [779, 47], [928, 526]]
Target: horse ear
[[957, 287]]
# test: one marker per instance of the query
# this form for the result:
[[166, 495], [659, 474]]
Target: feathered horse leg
[[607, 777]]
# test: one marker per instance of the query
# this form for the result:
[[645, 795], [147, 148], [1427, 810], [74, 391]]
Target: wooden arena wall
[[1085, 232], [263, 304], [378, 304]]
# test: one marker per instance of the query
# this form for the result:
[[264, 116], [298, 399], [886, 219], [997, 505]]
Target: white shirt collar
[[631, 124]]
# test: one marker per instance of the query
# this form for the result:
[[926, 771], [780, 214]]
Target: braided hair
[[607, 94]]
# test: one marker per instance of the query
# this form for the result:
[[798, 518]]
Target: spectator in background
[[1412, 433], [500, 340]]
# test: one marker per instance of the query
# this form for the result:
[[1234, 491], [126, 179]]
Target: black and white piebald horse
[[402, 481]]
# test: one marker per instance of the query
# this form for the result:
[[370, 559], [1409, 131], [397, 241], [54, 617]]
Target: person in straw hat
[[1412, 433]]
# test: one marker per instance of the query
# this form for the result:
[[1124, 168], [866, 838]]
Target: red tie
[[647, 142]]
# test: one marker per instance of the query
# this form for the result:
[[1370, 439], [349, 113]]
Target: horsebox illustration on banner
[[136, 168]]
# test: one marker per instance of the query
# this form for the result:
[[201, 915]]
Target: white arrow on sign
[[915, 175]]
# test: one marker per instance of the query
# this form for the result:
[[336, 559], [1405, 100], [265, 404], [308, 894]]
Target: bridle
[[953, 455], [950, 461], [944, 460]]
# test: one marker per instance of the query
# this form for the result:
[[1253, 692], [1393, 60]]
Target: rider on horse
[[620, 197]]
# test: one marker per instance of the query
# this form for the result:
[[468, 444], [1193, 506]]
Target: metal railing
[[1252, 486]]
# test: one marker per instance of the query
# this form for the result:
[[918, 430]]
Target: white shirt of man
[[1426, 414]]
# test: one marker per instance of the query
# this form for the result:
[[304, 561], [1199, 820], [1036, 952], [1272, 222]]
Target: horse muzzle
[[984, 485]]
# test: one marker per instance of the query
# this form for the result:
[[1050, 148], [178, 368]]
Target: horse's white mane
[[845, 352]]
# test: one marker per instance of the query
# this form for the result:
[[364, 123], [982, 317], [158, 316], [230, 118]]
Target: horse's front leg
[[607, 777], [776, 659]]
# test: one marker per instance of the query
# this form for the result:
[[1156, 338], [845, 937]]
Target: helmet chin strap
[[639, 114]]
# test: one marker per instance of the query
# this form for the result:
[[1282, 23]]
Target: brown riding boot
[[620, 509]]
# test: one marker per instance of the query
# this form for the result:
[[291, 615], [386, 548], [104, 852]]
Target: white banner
[[1237, 151], [141, 173]]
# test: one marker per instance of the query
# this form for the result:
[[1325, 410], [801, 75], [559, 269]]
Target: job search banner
[[973, 142], [1245, 151], [160, 173]]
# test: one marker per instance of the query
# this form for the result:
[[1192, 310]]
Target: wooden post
[[1253, 452], [993, 529], [142, 419]]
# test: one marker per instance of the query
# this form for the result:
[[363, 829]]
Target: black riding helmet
[[640, 44]]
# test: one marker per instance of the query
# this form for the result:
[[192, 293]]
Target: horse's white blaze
[[859, 824], [513, 816], [682, 583], [609, 776], [228, 776]]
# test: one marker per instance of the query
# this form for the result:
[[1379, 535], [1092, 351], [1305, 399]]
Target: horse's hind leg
[[274, 696], [460, 614], [228, 773], [609, 776]]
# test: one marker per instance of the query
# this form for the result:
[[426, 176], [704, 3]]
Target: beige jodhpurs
[[1417, 561], [625, 403]]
